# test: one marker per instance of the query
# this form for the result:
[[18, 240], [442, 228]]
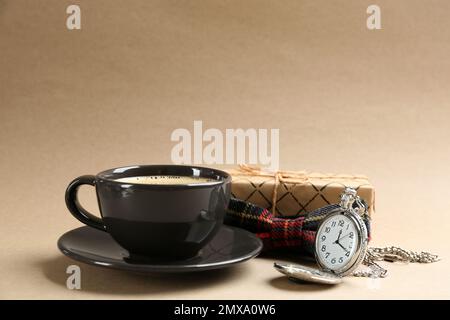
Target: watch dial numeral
[[327, 254], [351, 235], [333, 261], [324, 248], [333, 224], [327, 229], [341, 223], [348, 225], [323, 238], [341, 259], [347, 254]]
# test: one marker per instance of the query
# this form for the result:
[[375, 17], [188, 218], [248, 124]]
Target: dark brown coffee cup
[[169, 221]]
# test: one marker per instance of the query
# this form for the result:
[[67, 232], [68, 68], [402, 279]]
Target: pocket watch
[[342, 238], [340, 244]]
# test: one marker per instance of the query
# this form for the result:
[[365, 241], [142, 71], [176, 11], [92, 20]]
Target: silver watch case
[[361, 245]]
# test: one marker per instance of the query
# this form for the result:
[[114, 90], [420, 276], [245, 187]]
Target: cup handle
[[75, 207]]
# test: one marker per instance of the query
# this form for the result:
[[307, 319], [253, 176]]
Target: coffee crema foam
[[166, 179]]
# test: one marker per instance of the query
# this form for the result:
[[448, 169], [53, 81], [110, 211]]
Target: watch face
[[337, 241]]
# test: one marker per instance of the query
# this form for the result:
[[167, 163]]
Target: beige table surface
[[345, 99]]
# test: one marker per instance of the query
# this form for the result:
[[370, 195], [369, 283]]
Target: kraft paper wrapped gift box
[[289, 193]]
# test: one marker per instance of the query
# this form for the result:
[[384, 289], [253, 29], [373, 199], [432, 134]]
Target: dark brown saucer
[[228, 247]]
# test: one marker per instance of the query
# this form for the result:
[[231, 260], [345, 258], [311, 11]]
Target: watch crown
[[347, 198], [352, 202]]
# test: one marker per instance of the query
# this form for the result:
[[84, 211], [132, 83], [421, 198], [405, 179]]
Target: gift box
[[290, 193]]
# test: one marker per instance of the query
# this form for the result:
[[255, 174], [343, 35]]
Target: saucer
[[228, 247]]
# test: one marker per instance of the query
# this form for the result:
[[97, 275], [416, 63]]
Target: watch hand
[[345, 236], [339, 236], [342, 247]]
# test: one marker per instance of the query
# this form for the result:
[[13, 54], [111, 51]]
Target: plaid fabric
[[277, 233]]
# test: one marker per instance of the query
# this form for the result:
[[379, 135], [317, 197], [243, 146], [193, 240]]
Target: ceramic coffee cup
[[161, 219]]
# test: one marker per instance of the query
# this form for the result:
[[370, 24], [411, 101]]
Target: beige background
[[345, 99]]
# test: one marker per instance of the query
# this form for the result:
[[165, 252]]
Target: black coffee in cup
[[165, 180], [160, 211]]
